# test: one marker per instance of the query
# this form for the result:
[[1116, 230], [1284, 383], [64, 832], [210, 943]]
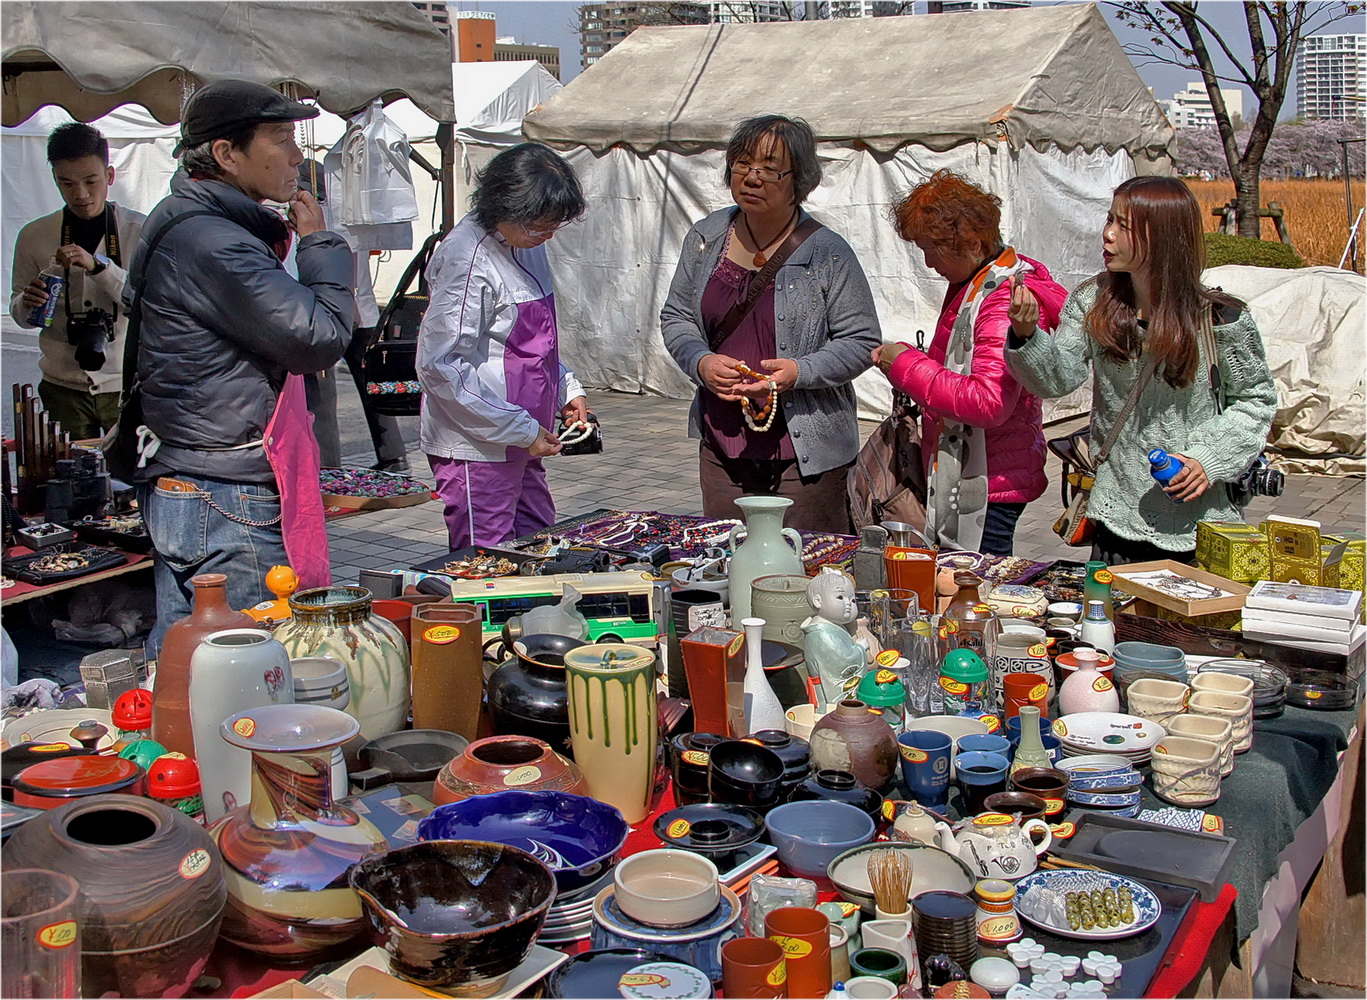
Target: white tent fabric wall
[[613, 267]]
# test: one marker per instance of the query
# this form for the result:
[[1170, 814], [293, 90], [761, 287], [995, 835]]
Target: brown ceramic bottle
[[853, 739], [171, 691]]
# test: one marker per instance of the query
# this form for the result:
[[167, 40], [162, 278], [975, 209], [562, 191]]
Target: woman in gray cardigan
[[775, 409]]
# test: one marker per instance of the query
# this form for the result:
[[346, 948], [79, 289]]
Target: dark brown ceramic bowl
[[1044, 782], [455, 915], [1022, 805]]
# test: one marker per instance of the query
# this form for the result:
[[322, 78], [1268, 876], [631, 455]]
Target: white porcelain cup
[[840, 954], [1210, 728], [799, 720], [869, 988], [895, 935]]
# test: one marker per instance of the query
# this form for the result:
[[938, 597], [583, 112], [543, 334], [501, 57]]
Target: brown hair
[[1165, 225], [950, 213]]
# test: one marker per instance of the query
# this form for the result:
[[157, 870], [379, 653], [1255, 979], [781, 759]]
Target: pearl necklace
[[767, 414], [580, 430]]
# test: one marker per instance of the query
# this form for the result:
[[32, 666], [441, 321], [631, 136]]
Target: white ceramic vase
[[768, 548], [1087, 689], [230, 672], [763, 710]]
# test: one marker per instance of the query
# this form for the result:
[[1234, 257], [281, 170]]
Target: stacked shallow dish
[[1103, 783], [1134, 660], [1126, 736], [570, 919]]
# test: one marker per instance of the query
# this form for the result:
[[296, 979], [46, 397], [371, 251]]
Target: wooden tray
[[1187, 607], [349, 502]]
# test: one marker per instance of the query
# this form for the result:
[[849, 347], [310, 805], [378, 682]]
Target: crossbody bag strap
[[1145, 374], [1207, 336], [759, 281], [137, 281]]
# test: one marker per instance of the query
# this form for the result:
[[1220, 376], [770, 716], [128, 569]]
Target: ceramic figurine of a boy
[[838, 658]]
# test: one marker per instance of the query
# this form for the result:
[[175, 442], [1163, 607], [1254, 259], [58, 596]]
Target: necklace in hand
[[764, 419], [761, 258]]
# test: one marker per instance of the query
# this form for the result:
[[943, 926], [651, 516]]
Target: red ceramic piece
[[133, 711], [54, 783], [500, 763], [173, 776]]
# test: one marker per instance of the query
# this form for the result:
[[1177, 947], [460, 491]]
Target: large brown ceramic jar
[[499, 763], [171, 691], [151, 890], [854, 739], [287, 855]]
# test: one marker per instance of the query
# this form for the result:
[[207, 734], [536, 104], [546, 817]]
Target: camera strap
[[111, 250]]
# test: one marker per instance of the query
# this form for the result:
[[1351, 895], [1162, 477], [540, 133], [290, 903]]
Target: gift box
[[1344, 558], [1233, 550], [1294, 550]]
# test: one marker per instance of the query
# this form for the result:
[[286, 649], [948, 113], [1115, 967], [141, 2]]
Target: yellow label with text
[[1104, 576], [195, 864], [679, 828], [999, 929], [982, 609], [914, 755], [522, 775], [1038, 649], [1160, 749], [244, 727], [442, 634], [54, 936], [951, 626], [1102, 684], [697, 757], [887, 658], [50, 748], [953, 686], [1059, 728], [885, 677], [991, 722], [1062, 831], [1314, 695], [778, 975], [848, 908], [736, 643], [793, 947], [1022, 611], [890, 810], [643, 979], [1040, 691], [1052, 806], [993, 819]]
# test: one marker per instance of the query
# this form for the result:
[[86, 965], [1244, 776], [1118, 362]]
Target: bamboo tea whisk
[[890, 876]]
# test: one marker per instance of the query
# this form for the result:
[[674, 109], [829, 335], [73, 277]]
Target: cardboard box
[[1232, 549], [1187, 605], [1345, 557], [1293, 550]]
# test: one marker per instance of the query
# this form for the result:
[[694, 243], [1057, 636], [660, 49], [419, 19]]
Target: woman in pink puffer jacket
[[981, 432]]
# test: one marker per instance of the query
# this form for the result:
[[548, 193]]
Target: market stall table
[[22, 591]]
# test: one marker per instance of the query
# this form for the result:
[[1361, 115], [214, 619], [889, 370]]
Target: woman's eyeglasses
[[538, 234], [766, 174]]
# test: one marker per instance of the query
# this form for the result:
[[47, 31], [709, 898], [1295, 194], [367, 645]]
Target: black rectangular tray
[[470, 551], [97, 533], [18, 567], [1200, 861]]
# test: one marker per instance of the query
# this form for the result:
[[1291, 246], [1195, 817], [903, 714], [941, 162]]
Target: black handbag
[[389, 366]]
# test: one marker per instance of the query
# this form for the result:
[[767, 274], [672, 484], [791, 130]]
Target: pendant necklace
[[761, 257]]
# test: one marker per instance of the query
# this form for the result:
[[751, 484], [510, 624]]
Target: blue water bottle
[[53, 279], [1163, 467]]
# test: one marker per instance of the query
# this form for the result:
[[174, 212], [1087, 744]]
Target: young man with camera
[[90, 239]]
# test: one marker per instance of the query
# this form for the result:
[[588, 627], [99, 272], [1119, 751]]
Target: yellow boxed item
[[1293, 550], [1345, 555], [1232, 549]]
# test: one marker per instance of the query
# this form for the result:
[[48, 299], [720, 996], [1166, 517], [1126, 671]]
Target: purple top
[[752, 342]]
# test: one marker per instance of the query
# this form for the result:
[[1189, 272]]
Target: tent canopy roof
[[1046, 76], [91, 57]]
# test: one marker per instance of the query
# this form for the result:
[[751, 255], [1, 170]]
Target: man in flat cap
[[224, 453]]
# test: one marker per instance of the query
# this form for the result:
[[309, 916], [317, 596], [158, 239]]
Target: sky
[[554, 22]]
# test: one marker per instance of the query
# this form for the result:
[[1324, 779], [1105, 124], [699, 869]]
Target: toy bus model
[[620, 607]]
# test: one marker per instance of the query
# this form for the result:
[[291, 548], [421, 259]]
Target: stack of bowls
[[1134, 660], [1106, 784], [1269, 683], [795, 753], [744, 774], [718, 831], [946, 924]]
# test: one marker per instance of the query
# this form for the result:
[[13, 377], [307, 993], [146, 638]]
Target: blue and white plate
[[1147, 908], [1112, 781], [1117, 799]]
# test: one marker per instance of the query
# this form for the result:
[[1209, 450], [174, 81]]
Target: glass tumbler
[[40, 929]]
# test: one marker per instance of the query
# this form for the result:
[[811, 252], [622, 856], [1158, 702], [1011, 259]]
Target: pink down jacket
[[988, 397]]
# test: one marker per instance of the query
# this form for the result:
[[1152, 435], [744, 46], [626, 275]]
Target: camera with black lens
[[81, 490], [89, 332], [1258, 480]]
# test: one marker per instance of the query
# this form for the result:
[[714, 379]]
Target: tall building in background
[[438, 15], [954, 6], [832, 9], [474, 35], [1331, 76], [509, 49], [728, 12], [1191, 108], [603, 26]]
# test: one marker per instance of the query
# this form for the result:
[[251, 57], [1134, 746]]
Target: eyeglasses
[[537, 234], [766, 174]]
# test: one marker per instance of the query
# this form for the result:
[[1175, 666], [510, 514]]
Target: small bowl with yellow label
[[578, 838]]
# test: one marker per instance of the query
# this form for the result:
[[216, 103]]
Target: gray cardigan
[[825, 321]]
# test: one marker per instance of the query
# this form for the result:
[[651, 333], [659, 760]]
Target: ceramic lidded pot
[[794, 751], [851, 738], [340, 622], [840, 786], [151, 889], [52, 783], [527, 695], [500, 763], [689, 762], [287, 854]]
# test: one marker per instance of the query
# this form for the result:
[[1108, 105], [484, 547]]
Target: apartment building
[[1191, 108], [602, 26], [1331, 76], [509, 49]]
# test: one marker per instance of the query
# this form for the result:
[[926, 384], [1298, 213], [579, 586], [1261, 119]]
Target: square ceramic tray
[[1151, 850]]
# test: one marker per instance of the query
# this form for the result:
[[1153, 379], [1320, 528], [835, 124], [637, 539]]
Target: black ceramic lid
[[944, 904], [593, 974], [709, 826]]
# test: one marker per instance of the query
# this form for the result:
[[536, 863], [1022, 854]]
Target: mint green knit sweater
[[1126, 499]]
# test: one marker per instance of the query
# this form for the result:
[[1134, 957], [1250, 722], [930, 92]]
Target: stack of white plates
[[570, 918], [1126, 736]]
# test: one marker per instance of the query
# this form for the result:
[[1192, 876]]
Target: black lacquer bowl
[[455, 915]]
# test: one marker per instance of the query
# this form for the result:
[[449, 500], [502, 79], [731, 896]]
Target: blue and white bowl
[[698, 944], [1118, 800], [1114, 781]]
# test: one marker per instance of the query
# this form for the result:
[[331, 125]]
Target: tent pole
[[446, 139]]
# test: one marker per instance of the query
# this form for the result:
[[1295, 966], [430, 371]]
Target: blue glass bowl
[[578, 838]]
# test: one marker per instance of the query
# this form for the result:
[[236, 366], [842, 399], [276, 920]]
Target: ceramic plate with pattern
[[1108, 732], [1035, 892]]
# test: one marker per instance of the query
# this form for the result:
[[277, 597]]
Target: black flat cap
[[220, 108]]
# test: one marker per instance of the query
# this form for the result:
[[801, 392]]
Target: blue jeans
[[999, 528], [191, 537]]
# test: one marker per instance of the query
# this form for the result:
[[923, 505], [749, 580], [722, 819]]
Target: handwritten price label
[[59, 935], [195, 864], [679, 828], [244, 727], [793, 947], [522, 775], [442, 634]]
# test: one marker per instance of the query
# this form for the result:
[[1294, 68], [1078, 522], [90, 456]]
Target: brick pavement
[[649, 463]]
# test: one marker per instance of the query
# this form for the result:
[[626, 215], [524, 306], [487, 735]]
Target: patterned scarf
[[956, 493]]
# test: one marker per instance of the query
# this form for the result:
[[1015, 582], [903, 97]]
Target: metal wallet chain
[[239, 519]]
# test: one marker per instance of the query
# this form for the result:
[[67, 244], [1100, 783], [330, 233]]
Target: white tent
[[1041, 107]]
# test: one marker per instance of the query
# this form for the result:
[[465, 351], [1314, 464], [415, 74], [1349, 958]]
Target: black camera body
[[89, 332], [81, 490], [1258, 480]]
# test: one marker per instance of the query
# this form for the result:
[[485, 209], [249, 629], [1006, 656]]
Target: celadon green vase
[[768, 548], [613, 726]]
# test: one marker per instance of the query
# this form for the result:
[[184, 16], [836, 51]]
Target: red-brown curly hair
[[950, 213]]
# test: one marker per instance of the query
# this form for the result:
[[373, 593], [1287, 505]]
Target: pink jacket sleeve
[[986, 396]]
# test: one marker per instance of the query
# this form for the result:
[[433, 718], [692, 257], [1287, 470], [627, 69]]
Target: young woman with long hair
[[1142, 318]]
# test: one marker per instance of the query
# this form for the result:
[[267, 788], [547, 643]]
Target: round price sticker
[[244, 727], [885, 677], [1104, 576], [698, 758], [195, 864], [1102, 684], [914, 755], [952, 686], [522, 775], [886, 658], [778, 975], [679, 828], [58, 935], [1040, 691], [442, 634], [736, 643]]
